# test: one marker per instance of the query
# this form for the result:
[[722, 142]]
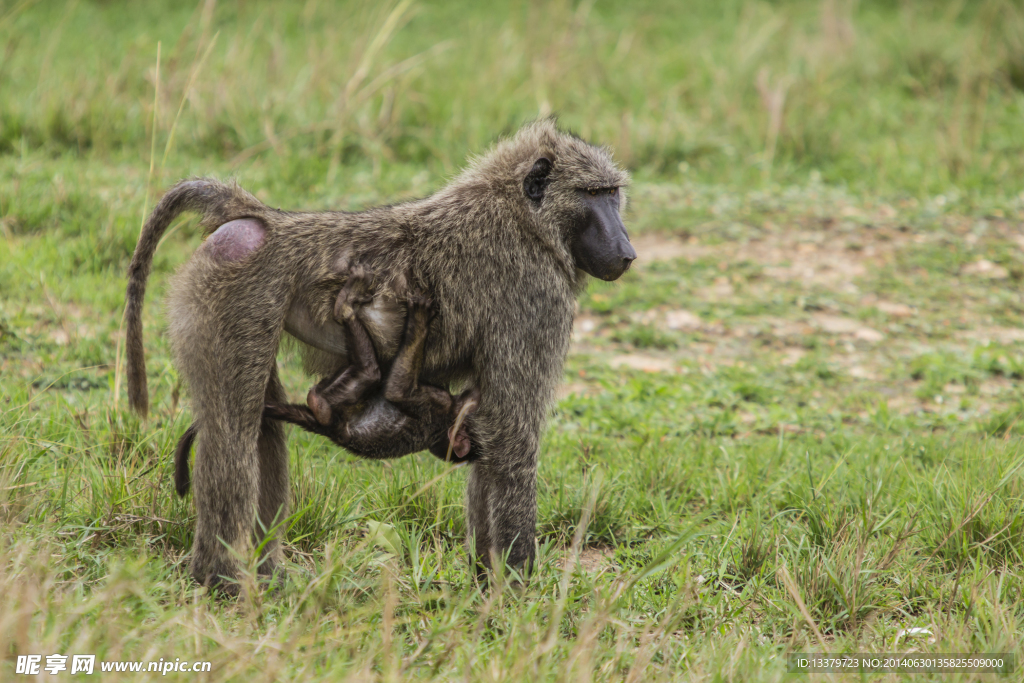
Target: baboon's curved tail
[[218, 203]]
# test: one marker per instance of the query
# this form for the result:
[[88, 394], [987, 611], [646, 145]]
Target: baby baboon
[[402, 417], [352, 409], [504, 249]]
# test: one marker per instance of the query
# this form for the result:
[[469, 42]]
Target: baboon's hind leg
[[273, 484], [478, 522], [226, 491], [225, 345]]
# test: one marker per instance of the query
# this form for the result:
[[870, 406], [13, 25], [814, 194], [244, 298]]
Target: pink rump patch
[[235, 240]]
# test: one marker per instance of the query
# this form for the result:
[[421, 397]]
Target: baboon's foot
[[221, 579], [225, 588], [357, 292], [492, 571], [270, 574], [283, 575], [271, 560], [319, 406]]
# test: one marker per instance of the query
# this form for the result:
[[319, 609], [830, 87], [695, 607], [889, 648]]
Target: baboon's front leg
[[515, 387]]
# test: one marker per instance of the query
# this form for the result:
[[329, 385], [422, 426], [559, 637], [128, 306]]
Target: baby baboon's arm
[[402, 386], [423, 401]]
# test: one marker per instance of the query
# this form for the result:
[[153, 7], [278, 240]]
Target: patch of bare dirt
[[573, 389], [819, 257], [892, 309], [826, 257], [638, 361], [683, 320], [583, 326], [986, 334], [722, 289], [660, 247], [791, 355], [834, 324], [995, 386], [985, 268], [781, 328], [591, 560]]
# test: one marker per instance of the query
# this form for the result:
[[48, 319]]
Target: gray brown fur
[[374, 419], [501, 268]]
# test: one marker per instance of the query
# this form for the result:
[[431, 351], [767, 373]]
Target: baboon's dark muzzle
[[602, 248]]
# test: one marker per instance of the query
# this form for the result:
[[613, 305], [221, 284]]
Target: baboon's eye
[[613, 190], [593, 192]]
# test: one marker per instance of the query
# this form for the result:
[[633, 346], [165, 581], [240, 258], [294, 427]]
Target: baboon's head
[[570, 192]]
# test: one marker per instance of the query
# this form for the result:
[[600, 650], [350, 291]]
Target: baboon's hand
[[458, 434], [460, 442], [419, 302]]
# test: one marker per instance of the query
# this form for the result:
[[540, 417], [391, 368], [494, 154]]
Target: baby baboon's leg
[[298, 415], [274, 490], [351, 385], [363, 374]]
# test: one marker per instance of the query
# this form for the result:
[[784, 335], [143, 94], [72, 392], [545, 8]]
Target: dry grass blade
[[966, 520], [380, 39], [794, 592]]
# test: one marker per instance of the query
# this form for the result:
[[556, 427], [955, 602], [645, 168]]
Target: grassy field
[[794, 426]]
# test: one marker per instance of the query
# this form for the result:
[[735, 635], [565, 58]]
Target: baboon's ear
[[537, 179]]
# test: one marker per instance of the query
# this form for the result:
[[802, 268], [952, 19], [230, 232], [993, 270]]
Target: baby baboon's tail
[[182, 477], [218, 203]]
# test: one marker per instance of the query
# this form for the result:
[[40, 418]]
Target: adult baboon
[[372, 421], [503, 249]]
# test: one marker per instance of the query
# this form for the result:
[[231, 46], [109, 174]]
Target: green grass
[[794, 426]]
